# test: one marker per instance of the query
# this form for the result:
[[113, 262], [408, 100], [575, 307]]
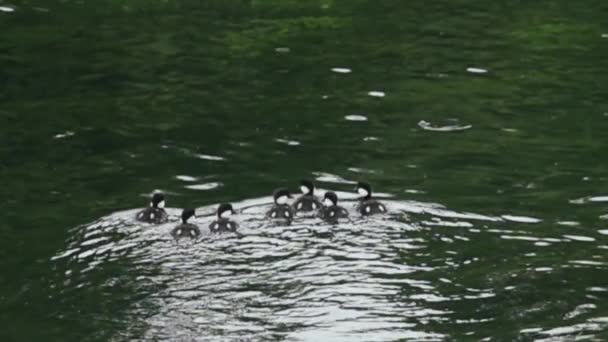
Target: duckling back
[[307, 203], [371, 207], [186, 230], [282, 212], [152, 215], [223, 225]]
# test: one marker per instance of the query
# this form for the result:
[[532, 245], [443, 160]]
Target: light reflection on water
[[374, 279]]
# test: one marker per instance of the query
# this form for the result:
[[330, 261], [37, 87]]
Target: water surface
[[484, 122]]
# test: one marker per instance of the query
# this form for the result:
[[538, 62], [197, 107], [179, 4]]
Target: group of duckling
[[283, 212]]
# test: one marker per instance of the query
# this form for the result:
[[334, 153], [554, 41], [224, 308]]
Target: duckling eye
[[274, 214], [368, 209], [179, 232], [192, 233], [331, 213]]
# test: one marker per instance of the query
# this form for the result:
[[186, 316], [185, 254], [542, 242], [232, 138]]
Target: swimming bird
[[223, 224], [155, 213], [331, 211], [308, 201], [186, 229], [281, 211], [368, 205]]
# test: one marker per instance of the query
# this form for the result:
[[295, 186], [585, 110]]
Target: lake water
[[481, 125]]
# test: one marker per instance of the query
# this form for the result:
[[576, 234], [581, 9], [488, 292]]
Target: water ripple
[[383, 278]]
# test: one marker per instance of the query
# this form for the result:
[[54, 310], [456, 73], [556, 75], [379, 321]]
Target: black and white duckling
[[185, 229], [223, 224], [368, 205], [155, 213], [331, 211], [308, 201], [281, 210]]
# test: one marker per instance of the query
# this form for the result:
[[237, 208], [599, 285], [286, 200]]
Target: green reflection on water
[[128, 79]]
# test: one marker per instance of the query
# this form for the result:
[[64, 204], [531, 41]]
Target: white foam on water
[[356, 117], [477, 70], [598, 199], [579, 238], [282, 49], [64, 135], [209, 157], [186, 178], [341, 70], [287, 142], [204, 186], [427, 126], [521, 219], [376, 94]]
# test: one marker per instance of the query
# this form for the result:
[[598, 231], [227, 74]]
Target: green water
[[103, 102]]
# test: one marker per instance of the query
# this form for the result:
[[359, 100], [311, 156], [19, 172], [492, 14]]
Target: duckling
[[223, 223], [156, 213], [331, 211], [186, 229], [308, 201], [368, 205], [281, 210]]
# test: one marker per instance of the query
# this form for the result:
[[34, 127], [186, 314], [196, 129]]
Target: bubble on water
[[604, 35], [7, 9], [355, 118]]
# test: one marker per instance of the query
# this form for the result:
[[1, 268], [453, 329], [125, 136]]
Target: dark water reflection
[[485, 122]]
